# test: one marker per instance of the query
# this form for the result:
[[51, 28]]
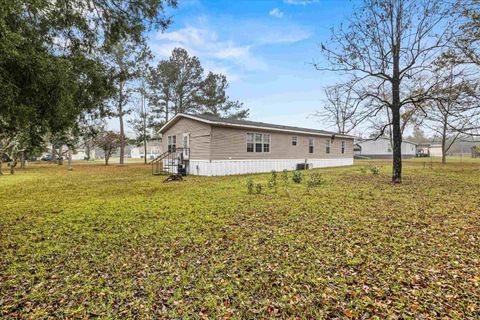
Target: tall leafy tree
[[129, 62], [49, 70], [178, 85], [213, 99], [188, 77], [161, 81]]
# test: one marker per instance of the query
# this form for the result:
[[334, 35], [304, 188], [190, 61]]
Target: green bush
[[297, 177], [249, 186], [272, 183], [285, 178], [259, 188], [315, 180], [375, 170]]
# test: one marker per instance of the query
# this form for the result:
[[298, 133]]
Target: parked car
[[47, 157]]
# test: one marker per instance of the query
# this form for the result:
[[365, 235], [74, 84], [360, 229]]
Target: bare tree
[[455, 110], [342, 109], [468, 40], [385, 45]]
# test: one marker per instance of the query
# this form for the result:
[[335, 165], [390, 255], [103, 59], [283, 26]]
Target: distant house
[[81, 154], [205, 145], [461, 147], [435, 150], [154, 149], [381, 148], [423, 149], [77, 153]]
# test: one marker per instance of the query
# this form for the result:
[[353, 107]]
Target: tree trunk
[[1, 163], [167, 100], [70, 167], [122, 129], [397, 132], [395, 107], [87, 151], [444, 151], [106, 159], [397, 147], [23, 160], [145, 150], [13, 164], [54, 158], [60, 156], [444, 141], [144, 115]]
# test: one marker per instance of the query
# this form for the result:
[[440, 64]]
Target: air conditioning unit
[[303, 166]]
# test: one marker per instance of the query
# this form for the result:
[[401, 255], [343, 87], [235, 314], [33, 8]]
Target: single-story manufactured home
[[435, 150], [381, 148], [212, 146], [154, 149]]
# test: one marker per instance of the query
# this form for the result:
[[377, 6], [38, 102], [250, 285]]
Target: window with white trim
[[250, 144], [343, 147], [294, 140], [328, 144], [266, 142], [311, 145], [171, 143], [258, 142]]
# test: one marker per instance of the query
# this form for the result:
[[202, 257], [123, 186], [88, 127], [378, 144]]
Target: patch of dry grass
[[115, 242]]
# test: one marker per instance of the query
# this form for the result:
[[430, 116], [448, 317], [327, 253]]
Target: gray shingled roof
[[260, 124]]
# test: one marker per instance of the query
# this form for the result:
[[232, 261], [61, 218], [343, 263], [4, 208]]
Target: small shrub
[[259, 188], [285, 178], [315, 180], [272, 184], [297, 177], [375, 170], [249, 186]]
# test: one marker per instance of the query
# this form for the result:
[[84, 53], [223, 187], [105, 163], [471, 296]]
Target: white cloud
[[275, 12], [232, 51], [300, 2], [226, 57]]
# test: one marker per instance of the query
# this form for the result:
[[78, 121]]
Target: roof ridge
[[262, 124]]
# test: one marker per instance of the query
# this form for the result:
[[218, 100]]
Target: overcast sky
[[265, 48]]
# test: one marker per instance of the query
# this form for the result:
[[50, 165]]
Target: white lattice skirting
[[229, 167]]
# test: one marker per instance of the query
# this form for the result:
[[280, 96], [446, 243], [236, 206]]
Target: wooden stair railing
[[157, 163], [174, 159]]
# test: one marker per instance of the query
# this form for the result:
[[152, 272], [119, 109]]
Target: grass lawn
[[116, 242]]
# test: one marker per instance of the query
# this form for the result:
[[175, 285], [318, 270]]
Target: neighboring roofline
[[384, 138], [248, 126]]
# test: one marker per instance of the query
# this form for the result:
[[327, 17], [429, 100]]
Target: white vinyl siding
[[294, 140]]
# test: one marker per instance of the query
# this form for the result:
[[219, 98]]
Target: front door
[[186, 145]]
